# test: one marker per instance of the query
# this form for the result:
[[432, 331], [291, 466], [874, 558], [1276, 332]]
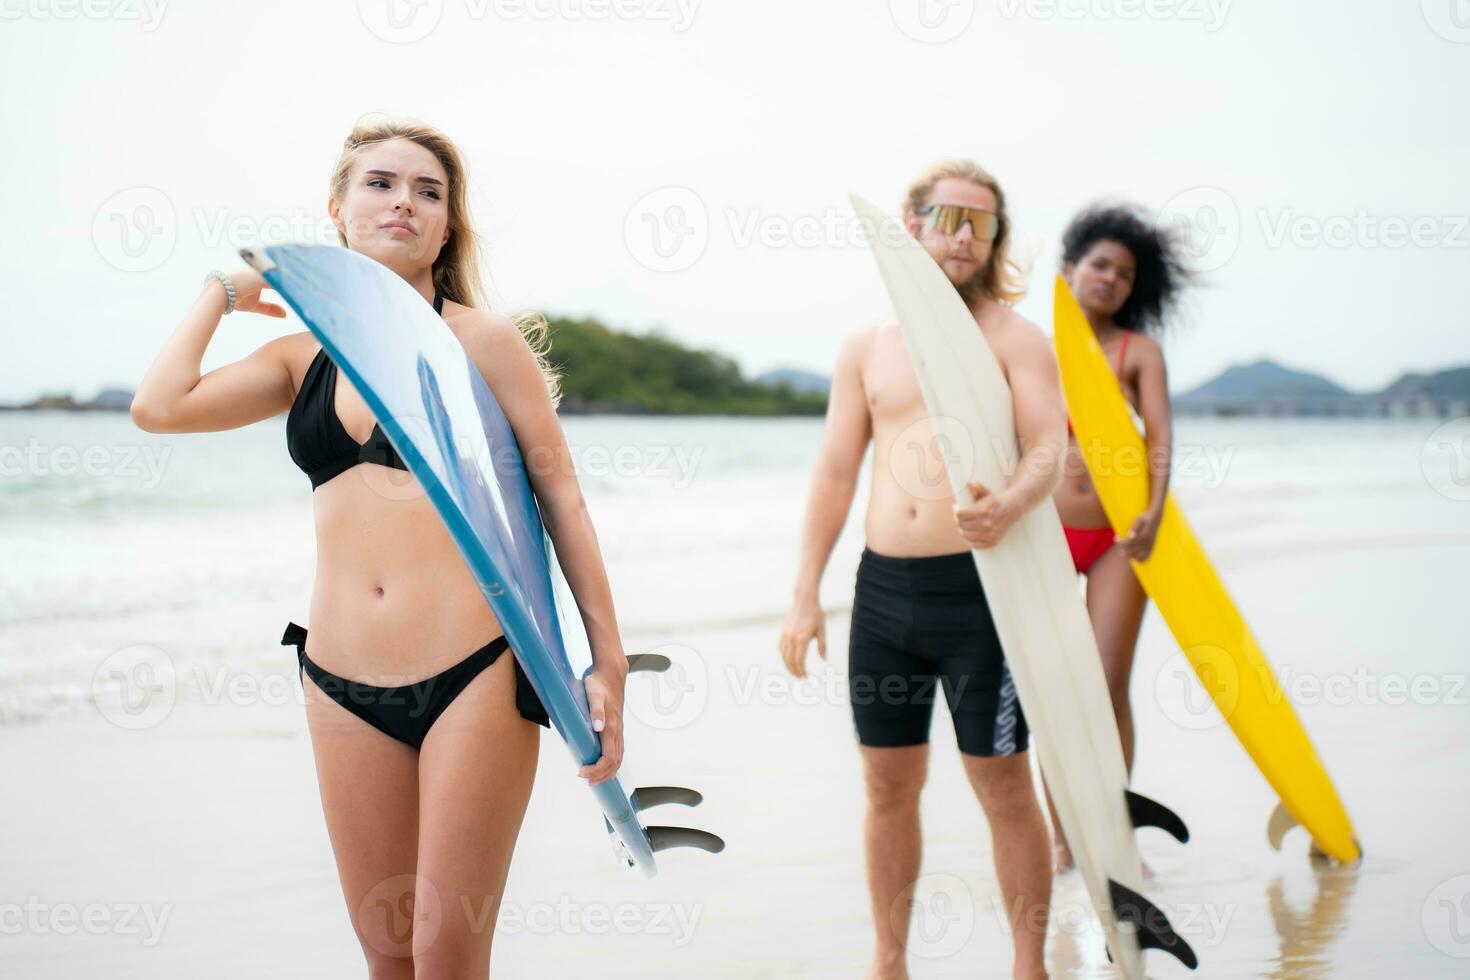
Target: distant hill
[[1264, 379], [606, 370], [1454, 383], [802, 382], [1267, 388]]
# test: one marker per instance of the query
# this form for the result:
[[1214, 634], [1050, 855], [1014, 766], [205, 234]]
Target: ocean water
[[698, 519]]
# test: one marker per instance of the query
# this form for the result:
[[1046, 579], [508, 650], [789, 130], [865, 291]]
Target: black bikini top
[[318, 443]]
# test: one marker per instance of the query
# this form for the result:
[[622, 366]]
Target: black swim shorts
[[921, 626]]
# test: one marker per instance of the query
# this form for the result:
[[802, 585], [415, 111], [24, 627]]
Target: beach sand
[[199, 846]]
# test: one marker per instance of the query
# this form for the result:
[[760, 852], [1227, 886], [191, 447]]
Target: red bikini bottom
[[1088, 544]]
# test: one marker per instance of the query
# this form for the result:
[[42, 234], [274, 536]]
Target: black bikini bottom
[[408, 712]]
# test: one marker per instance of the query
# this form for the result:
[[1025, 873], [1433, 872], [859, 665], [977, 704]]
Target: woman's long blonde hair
[[457, 269], [1003, 279]]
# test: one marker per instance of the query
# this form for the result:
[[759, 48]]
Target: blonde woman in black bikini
[[423, 727], [1126, 275]]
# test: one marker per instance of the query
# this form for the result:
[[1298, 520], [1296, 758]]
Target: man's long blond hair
[[1003, 279], [457, 269]]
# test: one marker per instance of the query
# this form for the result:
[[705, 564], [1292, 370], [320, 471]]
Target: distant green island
[[605, 370], [609, 371]]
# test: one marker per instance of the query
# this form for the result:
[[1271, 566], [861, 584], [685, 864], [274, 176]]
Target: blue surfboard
[[433, 404]]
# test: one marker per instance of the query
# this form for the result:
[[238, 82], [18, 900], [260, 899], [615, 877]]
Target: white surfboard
[[1031, 588]]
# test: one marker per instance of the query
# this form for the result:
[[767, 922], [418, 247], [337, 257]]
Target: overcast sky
[[685, 165]]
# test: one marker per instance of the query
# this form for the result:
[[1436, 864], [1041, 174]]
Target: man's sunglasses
[[950, 218]]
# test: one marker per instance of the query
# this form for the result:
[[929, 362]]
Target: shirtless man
[[920, 621]]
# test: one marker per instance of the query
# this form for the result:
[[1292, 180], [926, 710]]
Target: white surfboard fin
[[1145, 812], [1281, 821], [1154, 930], [645, 797], [663, 838]]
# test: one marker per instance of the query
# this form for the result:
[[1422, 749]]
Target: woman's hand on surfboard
[[248, 285], [604, 688], [804, 623], [982, 523], [1139, 543]]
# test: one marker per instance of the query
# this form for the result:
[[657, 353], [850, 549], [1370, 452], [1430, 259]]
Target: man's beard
[[974, 289]]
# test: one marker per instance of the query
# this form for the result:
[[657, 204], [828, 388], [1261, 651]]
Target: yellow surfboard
[[1190, 596]]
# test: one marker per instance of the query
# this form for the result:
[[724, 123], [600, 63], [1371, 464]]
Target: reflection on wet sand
[[1306, 937]]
